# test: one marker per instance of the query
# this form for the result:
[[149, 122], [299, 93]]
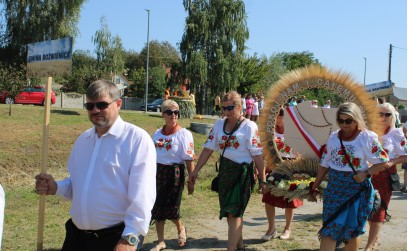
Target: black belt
[[118, 228]]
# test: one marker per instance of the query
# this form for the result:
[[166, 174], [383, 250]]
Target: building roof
[[400, 93]]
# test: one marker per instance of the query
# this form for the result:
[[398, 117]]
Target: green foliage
[[157, 82], [215, 32], [109, 51], [255, 77], [160, 54], [12, 79], [294, 60], [34, 21]]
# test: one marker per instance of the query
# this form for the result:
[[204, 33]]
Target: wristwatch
[[132, 239]]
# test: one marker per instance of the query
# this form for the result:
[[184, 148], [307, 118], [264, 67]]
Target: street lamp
[[147, 58], [365, 68]]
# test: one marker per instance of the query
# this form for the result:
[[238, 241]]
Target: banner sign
[[378, 86], [49, 58]]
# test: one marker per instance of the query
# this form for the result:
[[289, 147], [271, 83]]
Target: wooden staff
[[44, 162]]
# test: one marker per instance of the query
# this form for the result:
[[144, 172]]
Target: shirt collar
[[115, 130]]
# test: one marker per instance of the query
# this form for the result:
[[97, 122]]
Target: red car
[[30, 95]]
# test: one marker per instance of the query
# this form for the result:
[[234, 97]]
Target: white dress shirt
[[112, 179]]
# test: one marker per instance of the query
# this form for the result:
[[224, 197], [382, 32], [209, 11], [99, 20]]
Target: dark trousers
[[101, 240]]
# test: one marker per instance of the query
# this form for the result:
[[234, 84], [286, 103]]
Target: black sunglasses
[[170, 112], [347, 121], [382, 115], [228, 108], [100, 105]]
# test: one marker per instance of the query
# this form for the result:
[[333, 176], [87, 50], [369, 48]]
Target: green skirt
[[236, 182]]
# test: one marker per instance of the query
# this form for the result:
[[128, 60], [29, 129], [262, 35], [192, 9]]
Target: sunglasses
[[347, 121], [99, 105], [382, 115], [228, 108], [170, 112]]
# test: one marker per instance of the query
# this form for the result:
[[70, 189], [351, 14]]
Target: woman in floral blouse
[[174, 147], [236, 173], [348, 199], [395, 144], [272, 201]]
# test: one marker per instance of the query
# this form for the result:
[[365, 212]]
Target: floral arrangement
[[293, 189], [293, 179]]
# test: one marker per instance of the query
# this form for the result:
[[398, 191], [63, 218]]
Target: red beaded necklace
[[349, 137], [171, 132], [387, 130]]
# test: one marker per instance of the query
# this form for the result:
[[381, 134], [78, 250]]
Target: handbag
[[395, 184], [377, 198], [214, 182]]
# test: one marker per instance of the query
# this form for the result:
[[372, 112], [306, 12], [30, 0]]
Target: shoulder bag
[[214, 182]]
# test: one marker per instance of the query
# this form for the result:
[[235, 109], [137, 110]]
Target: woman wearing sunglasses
[[394, 143], [175, 150], [237, 140], [348, 198]]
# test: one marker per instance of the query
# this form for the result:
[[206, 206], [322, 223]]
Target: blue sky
[[339, 33]]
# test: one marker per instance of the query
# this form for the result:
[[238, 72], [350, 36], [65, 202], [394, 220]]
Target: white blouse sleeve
[[373, 150], [399, 141], [187, 143], [253, 139], [326, 156]]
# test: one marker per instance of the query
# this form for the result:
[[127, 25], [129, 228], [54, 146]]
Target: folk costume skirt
[[169, 187], [381, 182], [346, 206], [236, 182]]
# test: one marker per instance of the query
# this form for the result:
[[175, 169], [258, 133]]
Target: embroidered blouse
[[243, 144], [364, 149], [174, 148], [395, 143]]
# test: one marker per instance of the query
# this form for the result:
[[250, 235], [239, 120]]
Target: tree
[[160, 54], [215, 32], [296, 60], [256, 75], [109, 51], [12, 80], [34, 21]]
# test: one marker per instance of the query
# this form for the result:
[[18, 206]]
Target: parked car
[[154, 105], [30, 95]]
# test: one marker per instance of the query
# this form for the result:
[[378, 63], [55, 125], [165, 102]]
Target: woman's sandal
[[160, 246], [182, 237]]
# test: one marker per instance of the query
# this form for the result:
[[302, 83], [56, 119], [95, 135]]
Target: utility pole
[[389, 64], [147, 58], [365, 68]]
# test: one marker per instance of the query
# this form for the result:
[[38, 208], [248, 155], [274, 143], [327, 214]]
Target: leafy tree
[[12, 80], [296, 60], [33, 21], [109, 51], [215, 32], [256, 72], [157, 82], [160, 54]]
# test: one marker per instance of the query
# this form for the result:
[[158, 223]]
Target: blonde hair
[[167, 104], [354, 111], [234, 97], [392, 109]]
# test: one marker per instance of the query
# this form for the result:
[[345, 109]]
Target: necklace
[[387, 130], [233, 129], [171, 132], [349, 137]]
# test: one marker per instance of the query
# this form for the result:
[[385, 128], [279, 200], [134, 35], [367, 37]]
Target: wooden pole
[[44, 162]]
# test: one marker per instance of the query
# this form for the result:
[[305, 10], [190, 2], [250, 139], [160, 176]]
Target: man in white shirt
[[112, 182]]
